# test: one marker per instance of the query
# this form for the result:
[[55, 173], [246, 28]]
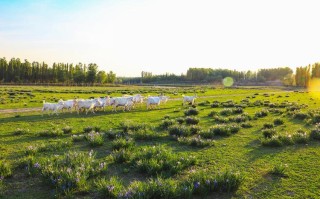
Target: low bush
[[130, 126], [192, 120], [246, 125], [88, 129], [262, 113], [122, 143], [300, 137], [212, 113], [166, 123], [95, 138], [78, 138], [268, 133], [191, 111], [215, 105], [274, 141], [221, 130], [51, 133], [278, 121], [315, 133], [20, 131], [5, 169], [110, 188], [180, 120], [67, 130], [179, 130], [226, 112], [268, 126], [300, 116], [121, 156], [220, 119], [196, 141], [145, 134]]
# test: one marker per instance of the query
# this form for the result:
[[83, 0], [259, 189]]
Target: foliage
[[122, 143], [196, 141], [191, 111], [95, 138], [192, 120]]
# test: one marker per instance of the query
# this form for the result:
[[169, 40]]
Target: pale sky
[[158, 36]]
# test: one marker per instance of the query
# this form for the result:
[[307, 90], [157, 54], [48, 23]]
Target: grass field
[[235, 143]]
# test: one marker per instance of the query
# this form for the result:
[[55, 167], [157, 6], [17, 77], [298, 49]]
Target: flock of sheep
[[127, 102]]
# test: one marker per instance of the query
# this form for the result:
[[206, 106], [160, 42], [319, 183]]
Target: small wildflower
[[110, 188], [196, 185], [36, 165]]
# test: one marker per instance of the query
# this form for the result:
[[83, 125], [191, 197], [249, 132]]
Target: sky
[[159, 36]]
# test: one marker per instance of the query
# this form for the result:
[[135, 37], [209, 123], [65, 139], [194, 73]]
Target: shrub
[[246, 125], [109, 188], [286, 139], [20, 131], [67, 130], [240, 118], [204, 103], [262, 113], [221, 119], [196, 141], [237, 110], [191, 111], [94, 138], [215, 104], [268, 133], [111, 134], [315, 119], [180, 120], [179, 130], [278, 121], [192, 120], [268, 126], [221, 130], [212, 113], [315, 133], [300, 116], [122, 143], [193, 129], [166, 123], [226, 112], [271, 142], [300, 137]]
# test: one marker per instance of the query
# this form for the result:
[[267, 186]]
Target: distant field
[[240, 143]]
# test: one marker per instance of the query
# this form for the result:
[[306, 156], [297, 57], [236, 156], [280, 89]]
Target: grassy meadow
[[234, 143]]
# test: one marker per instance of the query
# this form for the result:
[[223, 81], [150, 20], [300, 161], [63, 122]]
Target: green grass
[[138, 130]]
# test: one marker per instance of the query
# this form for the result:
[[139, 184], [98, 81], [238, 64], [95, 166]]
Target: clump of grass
[[166, 123], [315, 133], [246, 125], [145, 134], [94, 138], [160, 160], [240, 118], [71, 171], [192, 120], [180, 120], [87, 129], [262, 113], [78, 138], [51, 133], [226, 112], [121, 156], [215, 104], [279, 170], [268, 133], [67, 130], [54, 146], [278, 121], [20, 131], [220, 119], [274, 141], [300, 137], [268, 126], [221, 130], [300, 115], [122, 143], [196, 141], [130, 126], [191, 111], [237, 110], [5, 169], [179, 130], [212, 113], [109, 188]]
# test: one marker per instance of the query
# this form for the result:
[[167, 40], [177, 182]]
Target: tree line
[[17, 71], [305, 74]]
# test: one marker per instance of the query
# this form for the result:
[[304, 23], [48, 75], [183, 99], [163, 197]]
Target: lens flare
[[314, 87], [227, 81]]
